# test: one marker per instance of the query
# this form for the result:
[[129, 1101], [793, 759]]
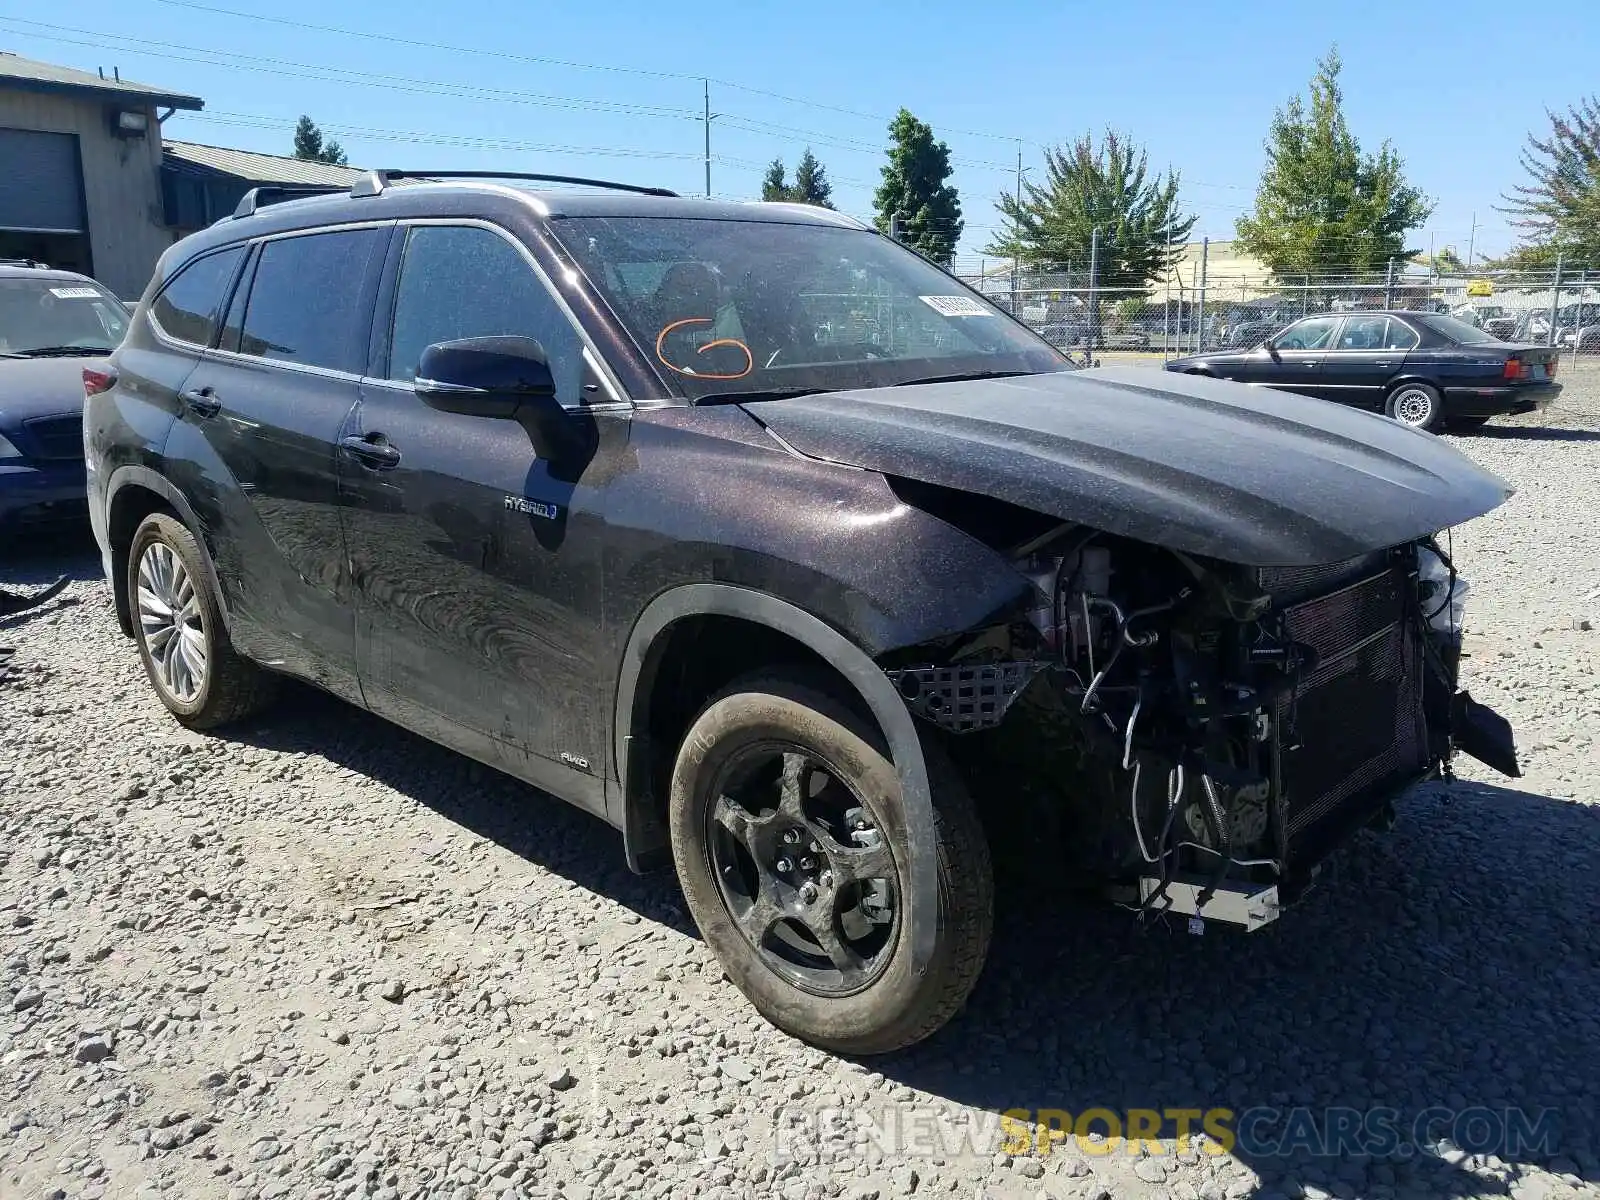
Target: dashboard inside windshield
[[724, 306]]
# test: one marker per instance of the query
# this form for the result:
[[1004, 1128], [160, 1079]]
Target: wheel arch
[[651, 639], [132, 494]]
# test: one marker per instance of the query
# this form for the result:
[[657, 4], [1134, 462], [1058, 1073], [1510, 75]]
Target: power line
[[301, 70], [513, 56]]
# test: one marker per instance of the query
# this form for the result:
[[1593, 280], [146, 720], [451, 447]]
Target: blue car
[[54, 327]]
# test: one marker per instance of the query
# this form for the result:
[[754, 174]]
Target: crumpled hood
[[1243, 474], [42, 387]]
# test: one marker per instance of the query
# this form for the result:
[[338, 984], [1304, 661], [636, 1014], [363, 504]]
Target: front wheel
[[790, 841], [1416, 405]]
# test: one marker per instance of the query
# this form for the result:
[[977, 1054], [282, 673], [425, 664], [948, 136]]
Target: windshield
[[1457, 331], [751, 307], [58, 316]]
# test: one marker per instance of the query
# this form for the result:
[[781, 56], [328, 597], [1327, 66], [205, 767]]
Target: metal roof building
[[80, 162], [201, 184]]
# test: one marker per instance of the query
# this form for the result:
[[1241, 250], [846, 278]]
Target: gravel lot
[[320, 957]]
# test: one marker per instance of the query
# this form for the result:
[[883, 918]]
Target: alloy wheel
[[804, 869], [171, 623], [1413, 407]]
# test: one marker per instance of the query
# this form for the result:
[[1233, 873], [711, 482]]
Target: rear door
[[1370, 350], [261, 418]]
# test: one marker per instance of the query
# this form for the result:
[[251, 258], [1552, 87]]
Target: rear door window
[[306, 301], [187, 307]]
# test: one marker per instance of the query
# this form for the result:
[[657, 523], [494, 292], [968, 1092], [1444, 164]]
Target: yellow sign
[[1480, 287]]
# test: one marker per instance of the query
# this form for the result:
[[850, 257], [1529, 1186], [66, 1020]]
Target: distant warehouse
[[88, 183]]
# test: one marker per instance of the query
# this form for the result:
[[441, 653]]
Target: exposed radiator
[[1353, 730]]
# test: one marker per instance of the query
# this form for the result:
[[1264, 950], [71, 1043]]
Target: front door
[[476, 561], [270, 402], [1369, 351], [1292, 361]]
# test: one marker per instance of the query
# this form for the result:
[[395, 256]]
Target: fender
[[890, 712], [134, 475]]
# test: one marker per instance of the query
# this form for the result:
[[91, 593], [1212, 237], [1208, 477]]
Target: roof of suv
[[11, 270], [422, 198]]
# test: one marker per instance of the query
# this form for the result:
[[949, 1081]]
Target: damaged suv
[[765, 540]]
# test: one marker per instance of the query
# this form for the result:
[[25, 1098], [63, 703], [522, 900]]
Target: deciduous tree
[[1322, 206]]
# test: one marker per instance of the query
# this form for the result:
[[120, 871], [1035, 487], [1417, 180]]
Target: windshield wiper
[[62, 352], [962, 378], [775, 393]]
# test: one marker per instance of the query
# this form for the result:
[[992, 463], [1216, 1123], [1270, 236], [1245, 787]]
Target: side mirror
[[485, 376]]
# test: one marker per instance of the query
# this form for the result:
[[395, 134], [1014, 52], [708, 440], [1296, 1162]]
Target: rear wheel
[[178, 625], [1416, 405], [790, 840]]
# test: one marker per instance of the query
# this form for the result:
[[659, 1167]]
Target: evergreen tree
[[1106, 188], [915, 198], [308, 145]]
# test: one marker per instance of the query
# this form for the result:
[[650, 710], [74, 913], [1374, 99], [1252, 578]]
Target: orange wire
[[749, 358]]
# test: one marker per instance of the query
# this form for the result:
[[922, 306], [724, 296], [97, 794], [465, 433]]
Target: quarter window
[[306, 300], [187, 307], [1311, 334], [1400, 336], [465, 282]]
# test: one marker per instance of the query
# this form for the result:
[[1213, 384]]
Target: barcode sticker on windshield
[[955, 306], [75, 293]]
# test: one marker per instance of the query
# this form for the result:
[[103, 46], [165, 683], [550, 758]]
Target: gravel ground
[[320, 957]]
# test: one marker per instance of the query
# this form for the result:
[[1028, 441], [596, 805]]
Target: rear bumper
[[1499, 401], [35, 494]]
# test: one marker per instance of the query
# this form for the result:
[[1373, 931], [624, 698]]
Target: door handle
[[202, 402], [373, 450], [1383, 362]]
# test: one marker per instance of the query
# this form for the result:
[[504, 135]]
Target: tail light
[[1515, 369], [95, 382], [1550, 368]]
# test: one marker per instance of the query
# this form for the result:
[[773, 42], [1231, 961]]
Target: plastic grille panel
[[1353, 731], [56, 438]]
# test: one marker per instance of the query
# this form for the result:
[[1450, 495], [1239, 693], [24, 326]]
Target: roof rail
[[374, 182], [25, 262], [258, 197]]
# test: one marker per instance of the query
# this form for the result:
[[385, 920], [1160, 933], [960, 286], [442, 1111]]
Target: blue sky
[[1456, 85]]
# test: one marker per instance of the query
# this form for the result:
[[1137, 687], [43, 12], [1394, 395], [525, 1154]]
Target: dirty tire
[[231, 687], [1416, 405], [898, 1007]]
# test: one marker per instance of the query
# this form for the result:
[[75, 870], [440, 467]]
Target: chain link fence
[[1190, 315]]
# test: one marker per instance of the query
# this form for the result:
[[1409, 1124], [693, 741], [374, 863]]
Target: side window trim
[[240, 295], [616, 396], [218, 313]]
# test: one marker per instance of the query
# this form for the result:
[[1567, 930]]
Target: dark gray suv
[[765, 540]]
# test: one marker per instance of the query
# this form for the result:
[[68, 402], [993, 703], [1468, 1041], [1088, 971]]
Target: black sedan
[[1423, 369]]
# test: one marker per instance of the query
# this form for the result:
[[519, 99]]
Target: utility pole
[[1472, 241], [1094, 280], [707, 83], [1388, 286], [1166, 307], [1555, 302], [1016, 251], [1200, 325]]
